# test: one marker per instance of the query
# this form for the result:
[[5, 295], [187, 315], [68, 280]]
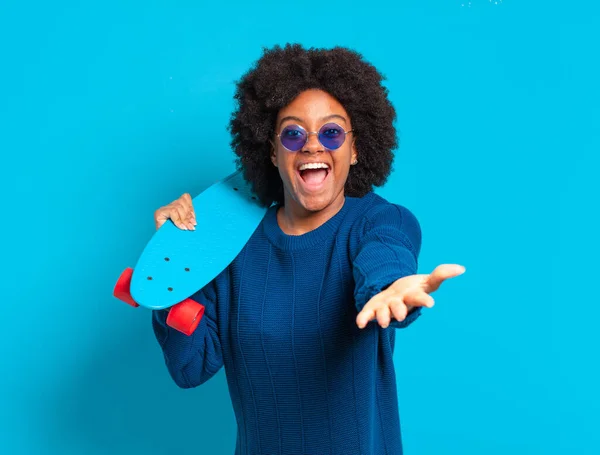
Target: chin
[[315, 202], [314, 205]]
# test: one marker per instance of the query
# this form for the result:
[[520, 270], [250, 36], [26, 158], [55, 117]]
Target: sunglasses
[[331, 136]]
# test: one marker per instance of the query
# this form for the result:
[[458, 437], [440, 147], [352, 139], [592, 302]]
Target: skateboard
[[177, 263]]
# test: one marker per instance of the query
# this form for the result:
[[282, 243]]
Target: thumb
[[161, 217], [441, 273]]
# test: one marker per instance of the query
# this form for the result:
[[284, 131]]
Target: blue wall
[[110, 110]]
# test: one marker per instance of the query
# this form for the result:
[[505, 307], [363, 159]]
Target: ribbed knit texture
[[281, 319]]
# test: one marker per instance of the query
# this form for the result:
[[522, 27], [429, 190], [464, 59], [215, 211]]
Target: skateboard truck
[[183, 316]]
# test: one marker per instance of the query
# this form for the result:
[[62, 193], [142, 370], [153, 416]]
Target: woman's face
[[313, 189]]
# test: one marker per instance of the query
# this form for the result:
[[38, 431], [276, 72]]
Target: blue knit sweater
[[281, 319]]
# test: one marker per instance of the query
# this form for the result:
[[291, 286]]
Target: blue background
[[111, 109]]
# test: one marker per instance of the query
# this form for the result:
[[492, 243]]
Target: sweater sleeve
[[387, 251], [191, 360]]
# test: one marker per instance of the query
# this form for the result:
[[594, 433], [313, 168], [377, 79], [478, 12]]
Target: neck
[[293, 219]]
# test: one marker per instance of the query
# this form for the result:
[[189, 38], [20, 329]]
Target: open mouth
[[314, 174]]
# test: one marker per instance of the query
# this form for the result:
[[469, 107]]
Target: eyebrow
[[298, 119]]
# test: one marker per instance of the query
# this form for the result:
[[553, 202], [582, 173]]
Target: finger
[[176, 215], [186, 201], [398, 309], [181, 219], [383, 316], [189, 219], [440, 273], [364, 317], [367, 314], [419, 298], [160, 217], [186, 217], [368, 311], [191, 214], [186, 198]]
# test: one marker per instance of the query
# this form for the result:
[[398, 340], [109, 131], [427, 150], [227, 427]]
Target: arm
[[191, 360], [388, 250]]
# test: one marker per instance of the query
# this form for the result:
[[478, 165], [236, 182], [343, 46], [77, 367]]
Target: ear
[[354, 152], [272, 154]]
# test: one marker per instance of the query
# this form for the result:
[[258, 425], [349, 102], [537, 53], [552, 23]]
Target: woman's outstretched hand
[[405, 294], [180, 211]]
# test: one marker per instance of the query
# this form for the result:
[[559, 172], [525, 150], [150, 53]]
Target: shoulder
[[376, 214], [375, 210]]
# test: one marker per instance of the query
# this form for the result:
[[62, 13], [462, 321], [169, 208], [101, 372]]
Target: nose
[[312, 144]]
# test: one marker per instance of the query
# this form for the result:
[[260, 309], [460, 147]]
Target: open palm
[[405, 294]]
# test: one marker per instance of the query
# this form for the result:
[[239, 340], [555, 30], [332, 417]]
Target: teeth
[[313, 166]]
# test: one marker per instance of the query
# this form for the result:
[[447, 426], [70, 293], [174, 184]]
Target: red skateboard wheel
[[185, 316], [122, 288]]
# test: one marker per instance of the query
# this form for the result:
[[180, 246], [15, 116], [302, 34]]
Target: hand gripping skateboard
[[176, 263]]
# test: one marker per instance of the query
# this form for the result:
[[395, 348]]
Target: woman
[[304, 319]]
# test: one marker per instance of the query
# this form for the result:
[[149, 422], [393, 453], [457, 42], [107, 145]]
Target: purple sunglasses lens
[[293, 138], [332, 136]]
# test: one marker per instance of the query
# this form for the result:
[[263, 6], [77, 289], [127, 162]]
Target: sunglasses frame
[[308, 133]]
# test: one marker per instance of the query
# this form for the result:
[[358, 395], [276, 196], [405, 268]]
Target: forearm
[[191, 360], [388, 252]]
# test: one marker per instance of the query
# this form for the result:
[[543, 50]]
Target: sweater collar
[[307, 240]]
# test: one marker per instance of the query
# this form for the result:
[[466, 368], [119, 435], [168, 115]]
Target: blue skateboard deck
[[177, 263]]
